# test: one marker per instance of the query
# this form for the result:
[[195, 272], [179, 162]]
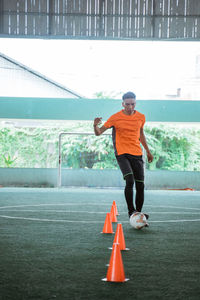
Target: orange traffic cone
[[115, 271], [107, 228], [119, 238], [115, 206], [113, 214]]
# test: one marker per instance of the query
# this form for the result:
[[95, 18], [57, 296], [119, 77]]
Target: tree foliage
[[174, 146]]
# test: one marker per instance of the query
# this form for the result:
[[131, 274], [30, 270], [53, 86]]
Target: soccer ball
[[138, 220]]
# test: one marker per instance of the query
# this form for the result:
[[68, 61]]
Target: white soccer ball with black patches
[[138, 220]]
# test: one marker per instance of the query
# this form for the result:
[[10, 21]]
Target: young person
[[127, 134]]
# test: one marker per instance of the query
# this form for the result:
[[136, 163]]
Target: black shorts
[[131, 164]]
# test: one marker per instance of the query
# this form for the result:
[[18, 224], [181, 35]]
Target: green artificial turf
[[51, 246]]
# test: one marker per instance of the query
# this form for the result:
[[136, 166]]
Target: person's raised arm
[[98, 130]]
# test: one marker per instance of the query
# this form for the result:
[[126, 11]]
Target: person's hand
[[149, 157], [97, 121]]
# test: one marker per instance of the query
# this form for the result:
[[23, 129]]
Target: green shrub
[[174, 146]]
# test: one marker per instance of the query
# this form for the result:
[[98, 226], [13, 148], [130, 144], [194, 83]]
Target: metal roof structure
[[20, 80], [101, 19]]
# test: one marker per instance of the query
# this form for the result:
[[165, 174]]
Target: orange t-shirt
[[126, 132]]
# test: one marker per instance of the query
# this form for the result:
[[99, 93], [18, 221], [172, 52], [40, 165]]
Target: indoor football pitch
[[51, 245]]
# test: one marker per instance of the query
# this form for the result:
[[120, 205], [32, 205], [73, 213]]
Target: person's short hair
[[129, 95]]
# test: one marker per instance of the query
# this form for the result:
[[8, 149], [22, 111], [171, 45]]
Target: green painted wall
[[88, 109]]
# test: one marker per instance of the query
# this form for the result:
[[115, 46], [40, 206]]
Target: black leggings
[[133, 171], [128, 192]]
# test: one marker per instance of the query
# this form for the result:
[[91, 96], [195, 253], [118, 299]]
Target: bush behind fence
[[174, 146]]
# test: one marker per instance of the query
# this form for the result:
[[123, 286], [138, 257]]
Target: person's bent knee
[[139, 185], [129, 180]]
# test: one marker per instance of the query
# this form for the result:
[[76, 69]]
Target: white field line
[[7, 208], [96, 212], [176, 221], [87, 222], [56, 211], [178, 207], [170, 221], [55, 204], [49, 220], [94, 204]]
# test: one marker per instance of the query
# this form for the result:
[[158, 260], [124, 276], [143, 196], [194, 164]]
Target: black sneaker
[[131, 213], [147, 216]]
